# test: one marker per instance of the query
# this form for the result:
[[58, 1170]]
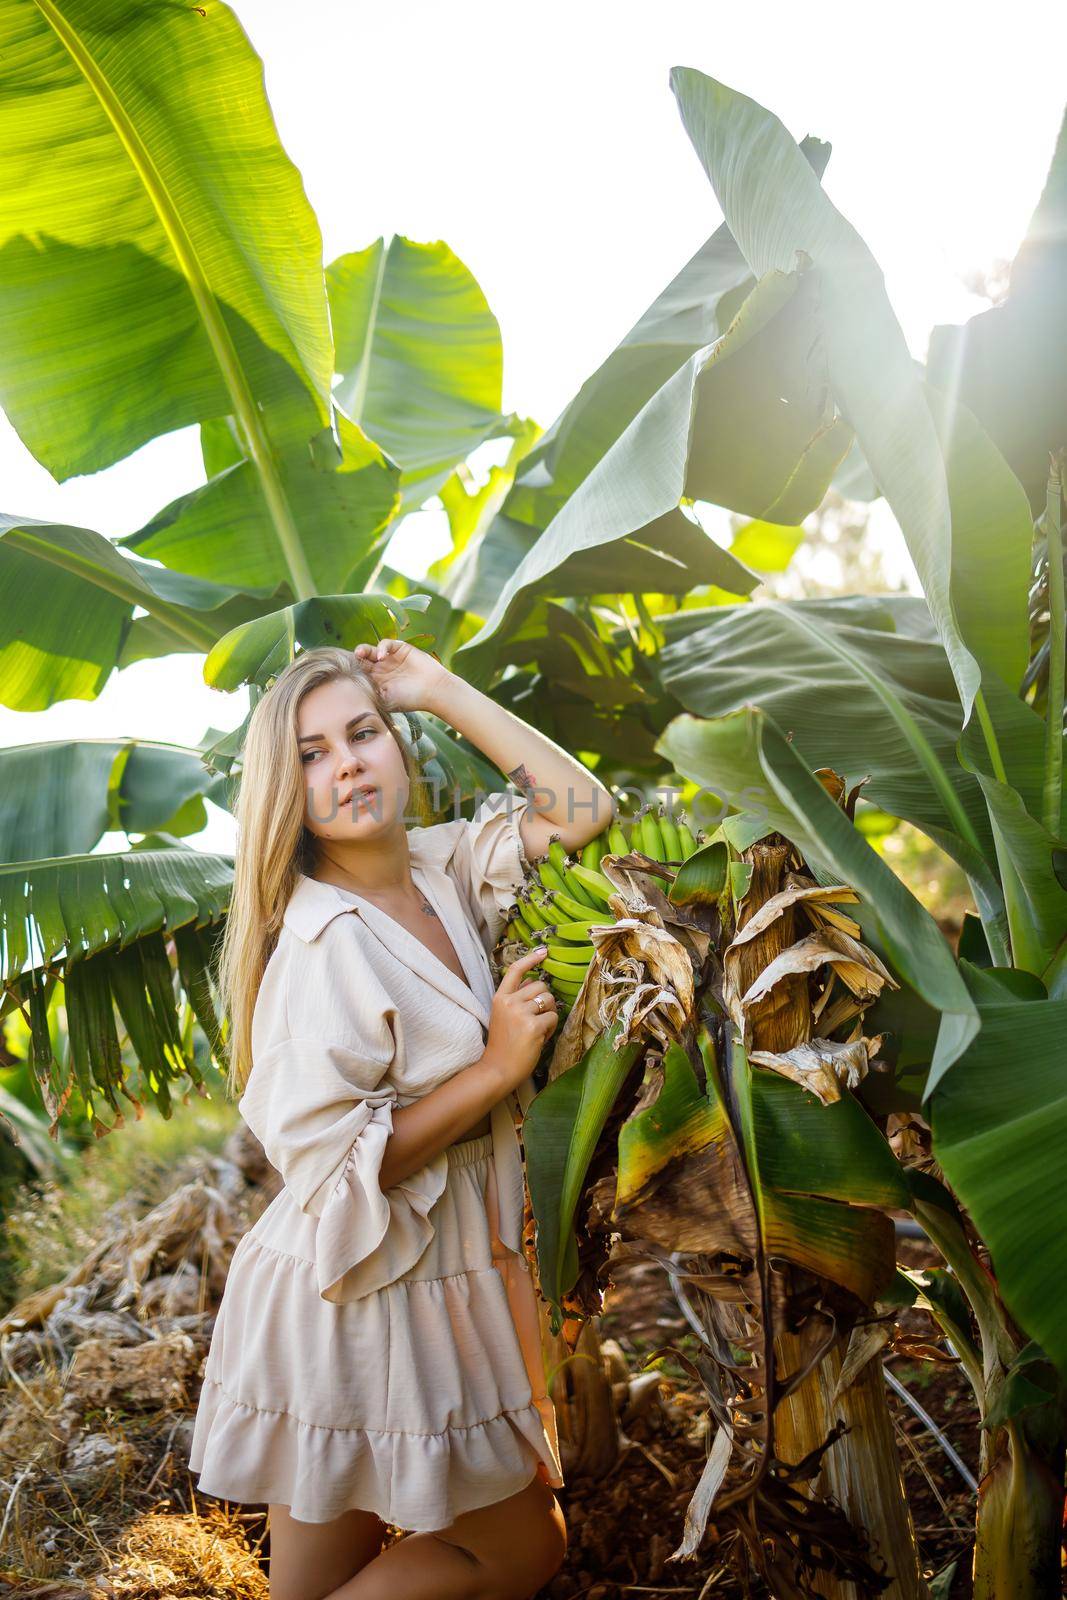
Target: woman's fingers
[[520, 966]]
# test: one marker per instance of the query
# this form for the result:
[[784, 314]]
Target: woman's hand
[[522, 1020], [406, 677]]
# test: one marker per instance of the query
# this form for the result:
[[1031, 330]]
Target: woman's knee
[[516, 1546], [309, 1560]]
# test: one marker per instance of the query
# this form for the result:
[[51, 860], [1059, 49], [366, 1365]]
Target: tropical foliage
[[800, 1071]]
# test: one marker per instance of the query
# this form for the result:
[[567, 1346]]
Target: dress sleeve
[[323, 1111], [491, 860]]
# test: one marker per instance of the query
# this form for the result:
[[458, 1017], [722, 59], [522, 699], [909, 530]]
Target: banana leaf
[[775, 207], [159, 260], [693, 439], [60, 799], [999, 1123], [694, 310], [419, 358], [1007, 363], [816, 1177], [101, 924], [561, 1129], [341, 496], [67, 597], [746, 757]]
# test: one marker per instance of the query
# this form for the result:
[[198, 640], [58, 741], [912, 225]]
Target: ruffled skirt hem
[[417, 1482]]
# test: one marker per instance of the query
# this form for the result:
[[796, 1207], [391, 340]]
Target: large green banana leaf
[[561, 1129], [419, 357], [999, 1124], [341, 500], [866, 700], [1007, 363], [60, 799], [67, 597], [694, 310], [816, 1175], [257, 651], [746, 758], [159, 260], [694, 439], [775, 207], [992, 535]]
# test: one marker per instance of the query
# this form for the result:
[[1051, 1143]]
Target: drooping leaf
[[342, 498], [561, 1128], [1006, 364], [746, 754], [774, 206], [696, 438], [694, 310], [75, 907], [67, 597], [59, 799], [257, 651]]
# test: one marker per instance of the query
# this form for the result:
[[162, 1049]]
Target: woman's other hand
[[406, 677]]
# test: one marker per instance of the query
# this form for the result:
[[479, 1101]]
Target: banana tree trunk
[[580, 1388], [1020, 1523], [861, 1469]]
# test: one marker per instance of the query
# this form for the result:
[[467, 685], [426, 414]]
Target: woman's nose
[[350, 762]]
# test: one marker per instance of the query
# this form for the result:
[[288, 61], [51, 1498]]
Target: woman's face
[[346, 747]]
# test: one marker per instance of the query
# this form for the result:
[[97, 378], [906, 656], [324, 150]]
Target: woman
[[376, 1358]]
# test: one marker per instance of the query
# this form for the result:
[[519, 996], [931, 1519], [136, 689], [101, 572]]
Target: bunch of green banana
[[566, 897], [558, 907]]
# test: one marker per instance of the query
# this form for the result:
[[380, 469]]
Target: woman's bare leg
[[505, 1551], [309, 1560]]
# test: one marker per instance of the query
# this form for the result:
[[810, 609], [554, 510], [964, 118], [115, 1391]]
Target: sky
[[545, 147]]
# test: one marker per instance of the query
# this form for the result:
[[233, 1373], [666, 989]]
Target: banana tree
[[979, 769]]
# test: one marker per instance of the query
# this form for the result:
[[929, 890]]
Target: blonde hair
[[274, 845]]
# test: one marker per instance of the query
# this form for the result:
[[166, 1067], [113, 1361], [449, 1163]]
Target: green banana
[[550, 878], [569, 991], [618, 843], [595, 884], [518, 930], [672, 844], [641, 844], [559, 969], [557, 856], [523, 914], [532, 914], [688, 843], [653, 836], [593, 851], [572, 886], [578, 931], [571, 955], [578, 911]]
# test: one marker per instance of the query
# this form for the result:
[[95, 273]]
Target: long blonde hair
[[274, 845]]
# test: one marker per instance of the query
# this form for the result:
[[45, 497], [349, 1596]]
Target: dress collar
[[313, 905]]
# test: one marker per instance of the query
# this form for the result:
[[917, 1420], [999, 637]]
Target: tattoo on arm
[[522, 777]]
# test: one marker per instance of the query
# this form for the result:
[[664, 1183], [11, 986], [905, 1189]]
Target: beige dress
[[381, 1349]]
